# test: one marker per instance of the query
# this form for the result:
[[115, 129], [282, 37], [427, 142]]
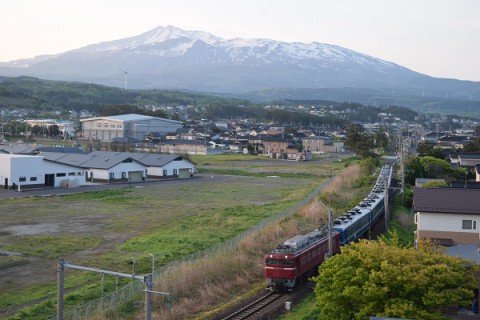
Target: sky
[[440, 38]]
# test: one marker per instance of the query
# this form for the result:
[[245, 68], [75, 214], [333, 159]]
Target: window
[[71, 173], [61, 174], [469, 224], [112, 175], [280, 261], [124, 175], [164, 172], [175, 171], [22, 179], [33, 178]]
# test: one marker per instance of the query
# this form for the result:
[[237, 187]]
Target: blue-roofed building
[[131, 125]]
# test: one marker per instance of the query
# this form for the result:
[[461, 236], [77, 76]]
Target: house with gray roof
[[107, 166], [449, 216]]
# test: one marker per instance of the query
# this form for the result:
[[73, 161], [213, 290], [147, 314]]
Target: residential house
[[468, 159], [318, 144], [449, 216], [276, 148], [181, 146]]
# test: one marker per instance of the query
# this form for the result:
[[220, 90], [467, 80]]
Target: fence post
[[148, 297], [60, 279]]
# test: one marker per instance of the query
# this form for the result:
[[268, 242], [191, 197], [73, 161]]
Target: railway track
[[255, 306]]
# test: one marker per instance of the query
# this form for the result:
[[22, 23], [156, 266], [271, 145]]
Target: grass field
[[108, 229]]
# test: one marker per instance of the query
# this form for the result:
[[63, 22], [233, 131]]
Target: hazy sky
[[440, 38]]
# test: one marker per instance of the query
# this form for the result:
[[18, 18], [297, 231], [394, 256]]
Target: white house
[[103, 166], [450, 216], [107, 166], [26, 171], [160, 166]]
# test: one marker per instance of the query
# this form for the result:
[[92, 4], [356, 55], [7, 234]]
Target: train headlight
[[286, 257]]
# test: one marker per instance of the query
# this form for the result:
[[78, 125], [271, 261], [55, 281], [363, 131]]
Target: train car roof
[[371, 201]]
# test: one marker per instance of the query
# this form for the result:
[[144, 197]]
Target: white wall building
[[25, 171], [126, 126], [449, 216]]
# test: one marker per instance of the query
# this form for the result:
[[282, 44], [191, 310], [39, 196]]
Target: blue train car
[[354, 223]]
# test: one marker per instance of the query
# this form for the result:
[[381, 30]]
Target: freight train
[[299, 257]]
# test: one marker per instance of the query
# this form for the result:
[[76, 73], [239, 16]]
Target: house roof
[[465, 251], [131, 117], [108, 159], [469, 155], [447, 200], [318, 138]]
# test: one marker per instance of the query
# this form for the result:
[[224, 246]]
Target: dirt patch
[[405, 220], [33, 229]]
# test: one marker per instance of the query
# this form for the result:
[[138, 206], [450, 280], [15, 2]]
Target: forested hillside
[[44, 96], [27, 92]]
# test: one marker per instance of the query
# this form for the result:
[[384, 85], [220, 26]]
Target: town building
[[19, 172], [318, 144], [127, 125]]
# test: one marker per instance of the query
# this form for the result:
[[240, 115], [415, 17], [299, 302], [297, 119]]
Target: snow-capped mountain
[[168, 57]]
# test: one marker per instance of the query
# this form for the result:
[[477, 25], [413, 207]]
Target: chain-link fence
[[132, 291]]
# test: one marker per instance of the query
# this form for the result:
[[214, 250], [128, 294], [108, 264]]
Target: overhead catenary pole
[[62, 265], [330, 234], [402, 168], [387, 208]]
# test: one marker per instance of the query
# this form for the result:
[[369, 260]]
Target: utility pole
[[387, 208], [402, 168], [330, 234]]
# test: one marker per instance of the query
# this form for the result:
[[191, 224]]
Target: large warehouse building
[[126, 126]]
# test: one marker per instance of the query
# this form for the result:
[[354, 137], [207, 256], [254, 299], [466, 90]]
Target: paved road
[[50, 191]]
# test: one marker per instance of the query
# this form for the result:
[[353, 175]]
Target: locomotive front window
[[279, 261]]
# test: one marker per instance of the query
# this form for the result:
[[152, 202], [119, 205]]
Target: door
[[50, 180]]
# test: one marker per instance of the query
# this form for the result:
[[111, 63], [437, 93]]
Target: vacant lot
[[108, 229]]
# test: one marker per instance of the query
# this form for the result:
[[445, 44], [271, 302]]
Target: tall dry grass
[[198, 286]]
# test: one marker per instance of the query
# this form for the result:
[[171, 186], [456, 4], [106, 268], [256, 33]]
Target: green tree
[[476, 131], [424, 148], [472, 146], [435, 184], [359, 141], [382, 278], [54, 130], [434, 167]]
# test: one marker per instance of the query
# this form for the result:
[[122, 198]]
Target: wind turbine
[[125, 79]]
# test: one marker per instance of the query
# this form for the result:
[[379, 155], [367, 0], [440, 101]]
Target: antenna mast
[[125, 78]]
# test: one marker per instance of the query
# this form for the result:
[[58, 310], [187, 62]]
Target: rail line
[[255, 306]]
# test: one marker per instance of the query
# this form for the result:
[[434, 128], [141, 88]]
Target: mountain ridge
[[172, 58]]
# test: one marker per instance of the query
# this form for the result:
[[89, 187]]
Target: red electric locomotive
[[297, 259]]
